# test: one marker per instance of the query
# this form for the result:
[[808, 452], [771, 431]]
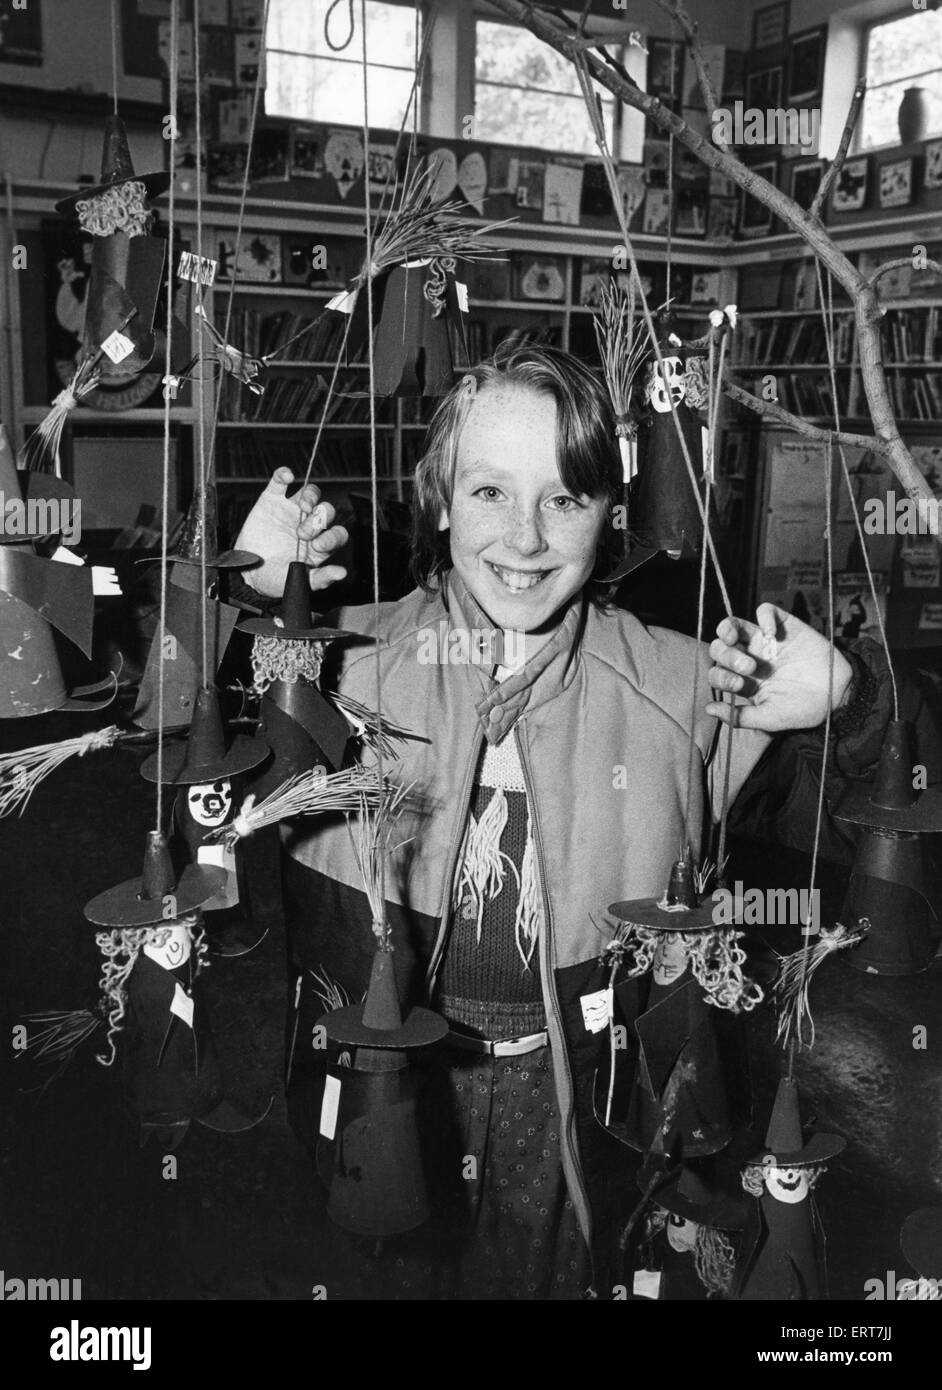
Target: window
[[307, 81], [902, 52], [525, 93]]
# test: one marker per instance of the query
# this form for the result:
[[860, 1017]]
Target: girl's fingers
[[279, 482], [323, 575], [316, 521], [327, 541]]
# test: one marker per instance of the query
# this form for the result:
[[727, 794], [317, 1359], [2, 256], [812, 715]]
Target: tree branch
[[795, 422], [837, 164], [867, 310], [898, 263]]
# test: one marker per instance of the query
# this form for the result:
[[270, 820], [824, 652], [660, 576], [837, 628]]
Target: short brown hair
[[588, 456]]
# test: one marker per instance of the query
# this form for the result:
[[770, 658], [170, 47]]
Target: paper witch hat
[[784, 1144], [116, 169], [144, 901], [678, 911], [890, 801], [204, 757], [199, 540], [377, 1022], [295, 624], [687, 1193], [419, 343]]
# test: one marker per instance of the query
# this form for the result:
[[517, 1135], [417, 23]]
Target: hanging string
[[819, 813], [165, 481], [240, 228], [828, 318], [669, 242], [374, 481], [593, 105], [200, 395], [114, 54], [388, 191], [339, 47]]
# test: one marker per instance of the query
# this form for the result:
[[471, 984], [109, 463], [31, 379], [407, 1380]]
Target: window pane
[[904, 46], [504, 53], [513, 116], [881, 110], [298, 26], [323, 89]]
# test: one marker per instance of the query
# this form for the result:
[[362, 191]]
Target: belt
[[501, 1047]]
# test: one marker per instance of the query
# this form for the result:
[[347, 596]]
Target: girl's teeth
[[517, 582]]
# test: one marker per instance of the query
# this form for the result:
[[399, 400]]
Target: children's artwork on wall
[[562, 190], [734, 74], [691, 216], [225, 165], [259, 259], [805, 180], [933, 174], [896, 184], [21, 35], [381, 167], [248, 56], [764, 88], [705, 287], [343, 158], [770, 25], [307, 153], [657, 207], [539, 277], [247, 14], [664, 67], [531, 174], [270, 160], [755, 219], [656, 163], [218, 56], [806, 64], [445, 165], [850, 190], [233, 118], [722, 219], [472, 180]]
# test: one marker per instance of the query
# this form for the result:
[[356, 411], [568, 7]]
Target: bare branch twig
[[837, 164], [898, 263], [795, 422]]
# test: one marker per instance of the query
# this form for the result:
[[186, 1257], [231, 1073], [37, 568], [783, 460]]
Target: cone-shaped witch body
[[418, 342], [157, 875], [664, 511], [199, 810], [888, 887], [116, 168], [32, 677], [678, 1106], [893, 784], [175, 655]]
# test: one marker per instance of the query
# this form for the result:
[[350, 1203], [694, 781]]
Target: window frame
[[421, 10], [866, 31], [618, 108]]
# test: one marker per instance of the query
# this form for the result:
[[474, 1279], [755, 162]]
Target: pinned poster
[[562, 193], [472, 180], [530, 178], [855, 614], [248, 57], [247, 14], [921, 568], [632, 188], [930, 619], [185, 63], [235, 118], [444, 170], [343, 158], [381, 167]]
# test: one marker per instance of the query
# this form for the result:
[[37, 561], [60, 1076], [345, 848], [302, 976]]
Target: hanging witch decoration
[[418, 305], [888, 882], [121, 342], [668, 1096], [783, 1245], [175, 660], [369, 1156], [151, 1008], [38, 596], [207, 774], [690, 1234]]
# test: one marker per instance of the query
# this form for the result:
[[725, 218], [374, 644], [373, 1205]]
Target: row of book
[[914, 395], [912, 335], [483, 338], [772, 341], [287, 336]]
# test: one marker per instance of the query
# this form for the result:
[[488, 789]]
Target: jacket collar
[[500, 704]]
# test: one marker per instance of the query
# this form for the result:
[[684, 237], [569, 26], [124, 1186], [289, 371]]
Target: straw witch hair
[[587, 454]]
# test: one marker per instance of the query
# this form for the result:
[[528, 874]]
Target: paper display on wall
[[562, 193]]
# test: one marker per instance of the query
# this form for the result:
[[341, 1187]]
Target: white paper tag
[[461, 290], [344, 302], [647, 1283], [329, 1107], [182, 1005], [200, 270], [117, 347], [597, 1010]]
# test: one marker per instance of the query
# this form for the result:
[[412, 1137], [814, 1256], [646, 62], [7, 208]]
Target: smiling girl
[[522, 833]]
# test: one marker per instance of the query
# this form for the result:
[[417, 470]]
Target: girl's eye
[[490, 494], [563, 503]]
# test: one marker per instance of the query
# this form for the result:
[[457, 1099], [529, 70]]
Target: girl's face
[[523, 544]]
